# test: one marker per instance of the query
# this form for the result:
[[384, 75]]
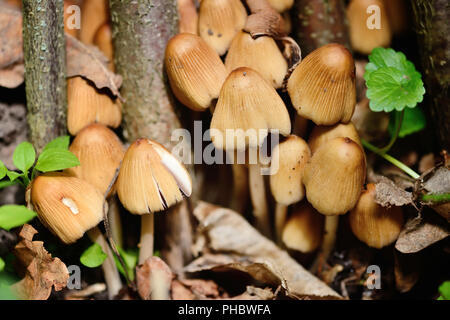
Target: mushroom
[[103, 40], [281, 5], [322, 134], [69, 207], [195, 71], [373, 224], [365, 35], [303, 229], [94, 13], [86, 105], [246, 107], [322, 87], [150, 179], [288, 162], [219, 21], [261, 54]]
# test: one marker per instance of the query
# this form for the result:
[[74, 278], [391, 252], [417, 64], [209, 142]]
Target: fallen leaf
[[201, 288], [180, 292], [389, 194], [237, 245], [154, 279], [42, 271], [255, 293]]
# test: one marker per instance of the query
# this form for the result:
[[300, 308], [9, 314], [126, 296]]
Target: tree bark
[[45, 69], [141, 29], [319, 22], [432, 28]]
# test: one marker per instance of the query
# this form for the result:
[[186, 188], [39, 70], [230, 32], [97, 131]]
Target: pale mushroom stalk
[[112, 276], [280, 219], [115, 222], [147, 237], [240, 188], [328, 241], [258, 198]]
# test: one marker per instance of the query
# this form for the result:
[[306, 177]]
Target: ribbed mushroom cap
[[286, 175], [363, 39], [261, 54], [93, 14], [322, 87], [100, 152], [303, 229], [151, 179], [195, 71], [373, 224], [86, 105], [67, 206], [322, 134], [247, 102], [335, 176], [281, 5], [219, 21]]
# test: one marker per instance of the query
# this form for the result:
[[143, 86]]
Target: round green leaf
[[93, 256], [24, 156], [54, 159], [3, 170], [12, 216], [58, 143]]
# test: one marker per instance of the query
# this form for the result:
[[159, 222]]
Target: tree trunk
[[45, 69], [319, 22], [431, 25], [141, 29]]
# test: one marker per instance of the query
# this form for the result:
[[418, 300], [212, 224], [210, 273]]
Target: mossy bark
[[319, 22], [433, 30], [141, 29], [45, 66]]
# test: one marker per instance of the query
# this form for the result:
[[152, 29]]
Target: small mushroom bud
[[100, 153], [322, 134], [86, 105], [304, 228], [248, 102], [281, 5], [103, 40], [195, 71], [93, 14], [335, 175], [322, 87], [67, 206], [151, 179], [261, 54], [219, 21], [365, 35], [373, 224], [287, 169]]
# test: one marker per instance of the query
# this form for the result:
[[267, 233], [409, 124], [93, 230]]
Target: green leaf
[[6, 280], [58, 143], [93, 256], [130, 257], [392, 81], [55, 159], [2, 265], [3, 170], [413, 121], [24, 156], [444, 290], [12, 175], [12, 216]]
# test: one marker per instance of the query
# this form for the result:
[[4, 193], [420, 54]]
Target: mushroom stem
[[147, 234], [111, 274], [258, 197], [240, 188], [115, 222], [280, 219], [328, 241]]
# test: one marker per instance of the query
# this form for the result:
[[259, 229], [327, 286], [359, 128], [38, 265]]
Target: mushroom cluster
[[230, 66]]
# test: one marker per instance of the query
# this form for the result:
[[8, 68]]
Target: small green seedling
[[444, 290]]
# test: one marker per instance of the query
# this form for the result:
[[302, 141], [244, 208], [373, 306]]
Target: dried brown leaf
[[180, 292], [42, 271], [154, 279], [255, 293], [389, 194], [239, 246]]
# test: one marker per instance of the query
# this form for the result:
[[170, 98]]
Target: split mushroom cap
[[195, 71], [100, 152], [151, 179], [219, 21], [322, 134], [247, 107], [93, 14], [335, 176], [322, 87], [286, 177], [363, 38], [67, 206], [373, 224], [103, 40], [281, 5], [261, 54], [303, 229], [86, 105]]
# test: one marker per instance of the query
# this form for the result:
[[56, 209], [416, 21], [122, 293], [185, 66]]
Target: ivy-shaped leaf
[[12, 216], [24, 156], [392, 81], [12, 175], [93, 256]]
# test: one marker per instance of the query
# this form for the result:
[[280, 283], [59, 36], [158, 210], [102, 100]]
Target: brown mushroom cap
[[322, 134]]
